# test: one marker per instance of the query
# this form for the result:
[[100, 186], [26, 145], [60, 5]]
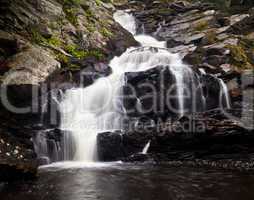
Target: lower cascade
[[86, 112]]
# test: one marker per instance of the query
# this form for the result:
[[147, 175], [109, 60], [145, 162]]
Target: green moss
[[71, 15], [82, 54], [211, 37], [89, 14], [239, 57], [201, 26], [90, 28], [98, 2], [65, 62], [71, 2], [73, 50], [105, 32], [63, 59], [36, 36], [164, 11], [96, 53], [54, 41]]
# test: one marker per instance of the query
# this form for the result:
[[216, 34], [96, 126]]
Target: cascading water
[[146, 148], [98, 108], [224, 96]]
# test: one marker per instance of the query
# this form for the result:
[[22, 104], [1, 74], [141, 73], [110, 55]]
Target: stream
[[116, 181]]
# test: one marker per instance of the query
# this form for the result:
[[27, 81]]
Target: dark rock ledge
[[206, 139]]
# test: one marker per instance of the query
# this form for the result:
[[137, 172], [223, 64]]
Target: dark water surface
[[130, 182]]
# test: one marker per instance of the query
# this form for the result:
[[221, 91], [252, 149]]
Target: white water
[[127, 21], [97, 108], [79, 165], [224, 95], [146, 148]]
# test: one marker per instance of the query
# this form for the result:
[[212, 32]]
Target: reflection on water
[[128, 182]]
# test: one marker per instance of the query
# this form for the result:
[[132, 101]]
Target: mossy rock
[[210, 38], [239, 57], [196, 57], [201, 26]]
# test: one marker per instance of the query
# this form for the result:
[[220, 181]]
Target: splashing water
[[224, 95], [146, 148], [126, 20]]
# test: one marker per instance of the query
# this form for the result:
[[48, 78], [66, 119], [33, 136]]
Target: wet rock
[[48, 145], [173, 43], [120, 145], [245, 25], [139, 158], [183, 50], [212, 90], [145, 92], [216, 60], [110, 146]]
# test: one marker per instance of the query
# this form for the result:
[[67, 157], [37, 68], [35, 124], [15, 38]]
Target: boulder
[[113, 146], [30, 67], [110, 146], [145, 92], [21, 84]]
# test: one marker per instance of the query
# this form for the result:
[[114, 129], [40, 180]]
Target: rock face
[[30, 67]]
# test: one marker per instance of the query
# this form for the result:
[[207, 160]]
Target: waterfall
[[85, 112], [126, 20], [146, 148], [41, 147], [224, 95], [48, 150]]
